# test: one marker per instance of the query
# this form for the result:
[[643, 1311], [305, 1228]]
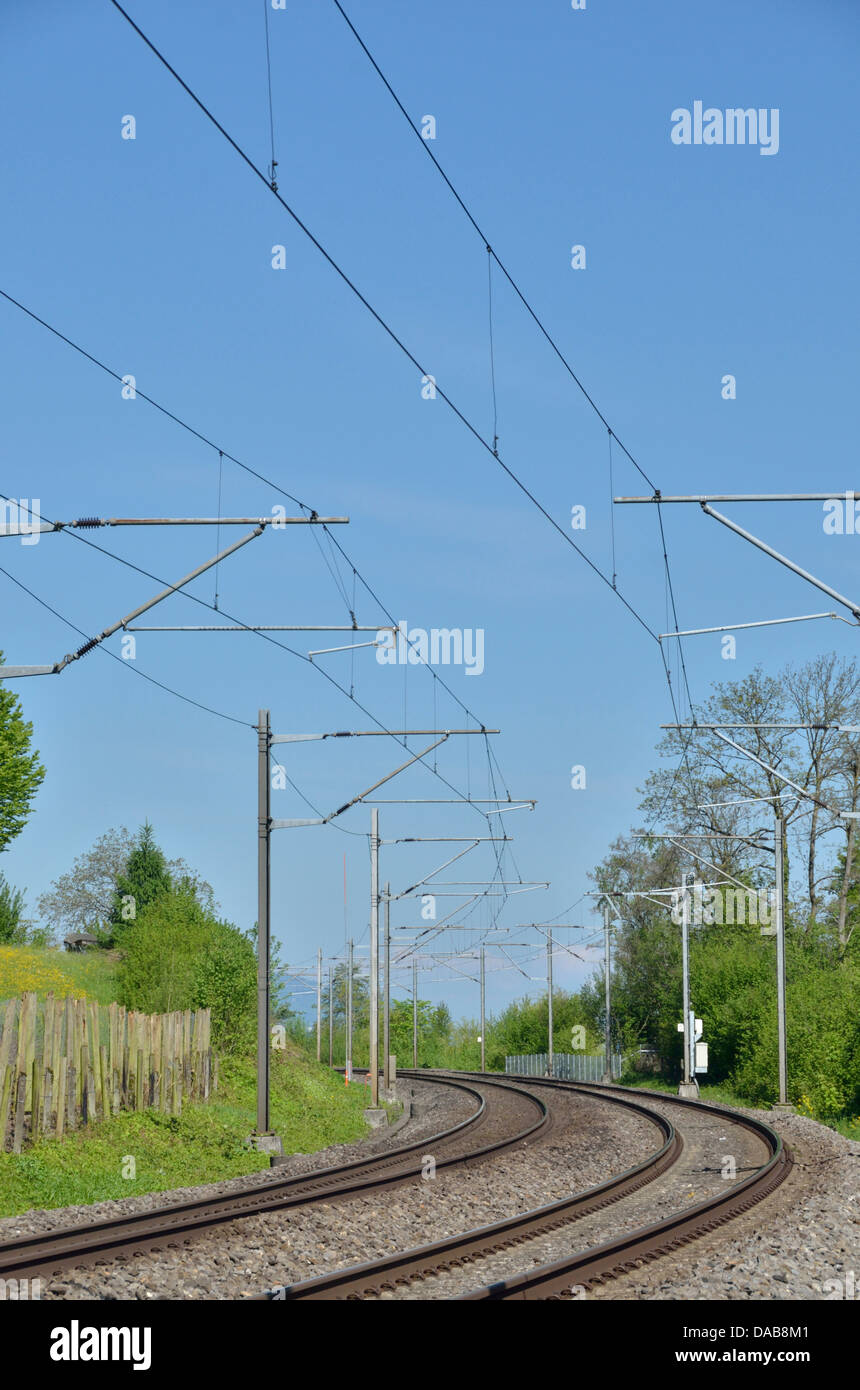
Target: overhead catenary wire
[[274, 163], [612, 513], [484, 442], [129, 564], [386, 327], [218, 532], [492, 349], [473, 430], [127, 664], [277, 487], [493, 256]]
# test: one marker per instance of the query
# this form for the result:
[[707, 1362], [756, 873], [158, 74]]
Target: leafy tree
[[160, 964], [225, 981], [21, 773], [180, 956], [145, 879], [434, 1028], [12, 925], [84, 897], [843, 912]]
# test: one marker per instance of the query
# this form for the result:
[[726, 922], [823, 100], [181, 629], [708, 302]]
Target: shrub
[[181, 957]]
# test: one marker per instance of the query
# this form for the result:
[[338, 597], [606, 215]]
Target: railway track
[[528, 1232], [504, 1117]]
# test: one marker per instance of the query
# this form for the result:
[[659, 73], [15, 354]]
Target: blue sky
[[155, 256]]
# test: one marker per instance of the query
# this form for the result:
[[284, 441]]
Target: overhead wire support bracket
[[765, 622], [326, 820], [783, 560], [705, 497], [265, 627], [504, 805], [377, 733], [7, 672], [90, 523], [704, 501]]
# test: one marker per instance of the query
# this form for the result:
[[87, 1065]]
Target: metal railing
[[568, 1066]]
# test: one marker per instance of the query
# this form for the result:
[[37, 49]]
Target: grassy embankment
[[311, 1108]]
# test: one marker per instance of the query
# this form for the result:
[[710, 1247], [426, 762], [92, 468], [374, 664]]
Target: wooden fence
[[67, 1062]]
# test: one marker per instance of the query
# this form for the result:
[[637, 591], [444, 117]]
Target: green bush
[[823, 1040], [226, 982], [162, 954], [181, 957]]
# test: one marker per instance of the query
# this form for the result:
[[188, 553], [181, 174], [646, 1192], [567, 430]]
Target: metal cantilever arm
[[10, 672], [426, 879], [387, 778], [326, 820], [783, 560], [767, 767]]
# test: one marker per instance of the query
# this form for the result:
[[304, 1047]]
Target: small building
[[80, 941]]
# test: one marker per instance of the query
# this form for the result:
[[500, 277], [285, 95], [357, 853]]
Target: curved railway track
[[505, 1116], [579, 1269]]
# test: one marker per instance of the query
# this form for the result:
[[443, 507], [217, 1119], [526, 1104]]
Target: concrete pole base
[[689, 1090], [265, 1143], [784, 1108], [376, 1117], [606, 1079]]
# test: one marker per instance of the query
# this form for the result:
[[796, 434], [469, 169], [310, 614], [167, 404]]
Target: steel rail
[[379, 1275], [176, 1222], [580, 1268]]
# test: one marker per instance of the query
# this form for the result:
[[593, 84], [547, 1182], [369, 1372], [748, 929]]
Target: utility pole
[[483, 1025], [348, 1060], [330, 1018], [689, 1086], [779, 923], [374, 957], [386, 1001], [607, 1027], [264, 737], [414, 1012], [319, 1003], [550, 1060]]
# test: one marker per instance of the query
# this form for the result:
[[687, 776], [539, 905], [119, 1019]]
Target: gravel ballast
[[802, 1242], [589, 1142], [434, 1108]]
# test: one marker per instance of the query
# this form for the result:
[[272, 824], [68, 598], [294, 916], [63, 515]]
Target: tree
[[21, 773], [12, 925], [821, 760], [180, 956], [83, 898], [146, 878], [158, 968]]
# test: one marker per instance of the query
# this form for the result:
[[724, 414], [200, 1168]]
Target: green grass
[[94, 971], [50, 970], [311, 1108], [720, 1095]]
